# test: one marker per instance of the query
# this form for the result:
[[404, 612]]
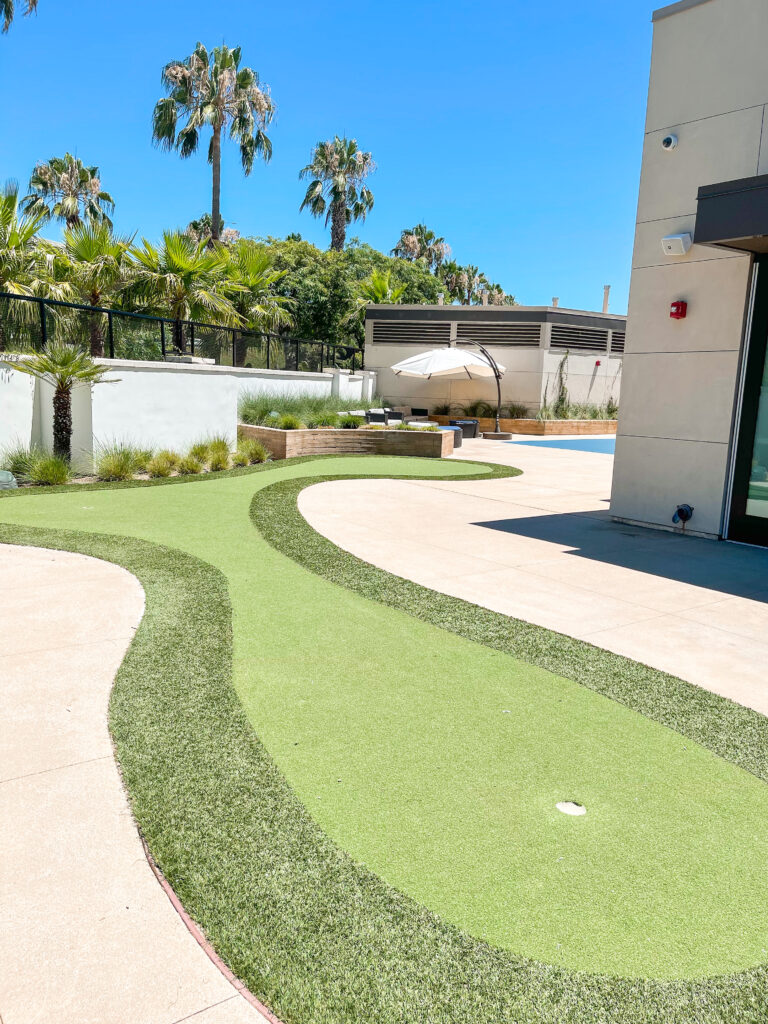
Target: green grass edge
[[317, 937]]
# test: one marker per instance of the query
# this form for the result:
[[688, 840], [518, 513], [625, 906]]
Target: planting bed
[[534, 426], [290, 444]]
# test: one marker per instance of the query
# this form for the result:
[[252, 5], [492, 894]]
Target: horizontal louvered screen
[[578, 338], [403, 332], [617, 341], [500, 334]]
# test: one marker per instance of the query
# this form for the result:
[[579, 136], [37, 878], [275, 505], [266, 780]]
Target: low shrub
[[240, 458], [253, 450], [262, 408], [189, 465], [218, 460], [289, 422], [49, 470], [162, 464], [442, 409], [349, 422], [407, 426], [516, 411]]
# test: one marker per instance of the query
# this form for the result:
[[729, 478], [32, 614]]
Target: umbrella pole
[[497, 374]]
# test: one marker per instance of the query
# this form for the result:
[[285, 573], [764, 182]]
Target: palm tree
[[338, 170], [376, 289], [251, 282], [68, 190], [213, 90], [24, 265], [20, 255], [419, 243], [7, 10], [183, 280], [95, 265], [62, 366]]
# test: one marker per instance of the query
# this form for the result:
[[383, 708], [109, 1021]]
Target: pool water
[[603, 445]]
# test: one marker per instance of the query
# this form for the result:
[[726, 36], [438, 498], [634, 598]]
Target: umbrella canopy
[[446, 362]]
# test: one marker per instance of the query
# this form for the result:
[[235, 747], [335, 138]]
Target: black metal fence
[[29, 323]]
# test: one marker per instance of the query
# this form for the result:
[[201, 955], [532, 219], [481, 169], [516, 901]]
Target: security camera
[[669, 142]]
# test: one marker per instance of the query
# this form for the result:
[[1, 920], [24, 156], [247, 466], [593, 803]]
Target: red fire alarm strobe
[[678, 310], [597, 362]]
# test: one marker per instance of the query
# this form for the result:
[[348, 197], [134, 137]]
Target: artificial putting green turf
[[441, 792]]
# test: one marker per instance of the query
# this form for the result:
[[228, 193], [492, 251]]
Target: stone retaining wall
[[289, 444]]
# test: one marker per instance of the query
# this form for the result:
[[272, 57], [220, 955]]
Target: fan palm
[[62, 366], [68, 190], [212, 90], [7, 10], [95, 265], [338, 170], [419, 243], [183, 280], [25, 267], [376, 289], [20, 255], [251, 281]]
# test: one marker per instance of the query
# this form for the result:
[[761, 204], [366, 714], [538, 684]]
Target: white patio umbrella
[[454, 362], [447, 362]]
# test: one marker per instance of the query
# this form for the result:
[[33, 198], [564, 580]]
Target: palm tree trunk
[[62, 422], [338, 224], [97, 337], [216, 196]]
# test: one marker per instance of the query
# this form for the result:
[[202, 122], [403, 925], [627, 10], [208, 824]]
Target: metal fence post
[[269, 341], [111, 335], [43, 325], [162, 337], [192, 339]]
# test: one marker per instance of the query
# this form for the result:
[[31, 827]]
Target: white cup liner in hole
[[569, 807]]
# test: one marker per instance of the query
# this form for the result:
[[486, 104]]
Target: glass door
[[749, 504]]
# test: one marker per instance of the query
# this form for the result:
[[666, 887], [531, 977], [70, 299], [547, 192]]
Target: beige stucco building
[[693, 423], [534, 343]]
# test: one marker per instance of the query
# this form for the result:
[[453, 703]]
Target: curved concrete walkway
[[542, 547], [88, 936]]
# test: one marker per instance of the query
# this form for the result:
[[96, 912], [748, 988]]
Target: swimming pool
[[602, 445]]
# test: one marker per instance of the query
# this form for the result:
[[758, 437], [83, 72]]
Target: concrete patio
[[88, 934], [541, 547]]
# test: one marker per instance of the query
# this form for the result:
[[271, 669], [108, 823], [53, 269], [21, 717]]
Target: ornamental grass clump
[[141, 459], [240, 459], [115, 462], [253, 451], [289, 422], [50, 470], [350, 422], [323, 420], [199, 451], [162, 464], [19, 460], [189, 466], [218, 460]]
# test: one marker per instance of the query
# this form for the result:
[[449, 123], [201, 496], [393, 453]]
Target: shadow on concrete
[[732, 569]]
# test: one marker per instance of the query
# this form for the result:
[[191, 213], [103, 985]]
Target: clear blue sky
[[512, 128]]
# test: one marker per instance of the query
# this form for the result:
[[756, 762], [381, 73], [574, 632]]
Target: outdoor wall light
[[683, 514], [676, 245]]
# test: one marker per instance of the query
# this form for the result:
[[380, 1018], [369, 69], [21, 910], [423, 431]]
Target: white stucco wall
[[17, 392], [155, 405]]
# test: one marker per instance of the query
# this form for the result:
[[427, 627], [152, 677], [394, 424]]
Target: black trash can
[[469, 428]]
